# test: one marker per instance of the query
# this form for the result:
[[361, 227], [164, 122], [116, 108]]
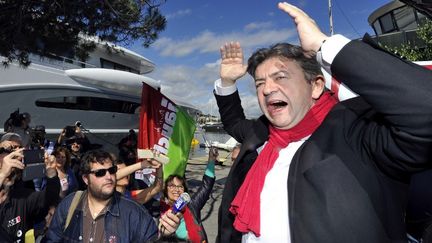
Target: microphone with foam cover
[[181, 202]]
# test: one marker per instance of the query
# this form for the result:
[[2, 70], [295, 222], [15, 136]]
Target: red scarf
[[248, 196], [194, 230]]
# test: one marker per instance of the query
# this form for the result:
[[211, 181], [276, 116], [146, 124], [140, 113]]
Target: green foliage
[[50, 27], [416, 53]]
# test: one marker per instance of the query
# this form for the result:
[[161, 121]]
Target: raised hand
[[213, 154], [10, 162], [310, 35], [232, 67]]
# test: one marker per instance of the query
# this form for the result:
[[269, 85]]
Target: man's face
[[75, 147], [101, 187], [284, 95]]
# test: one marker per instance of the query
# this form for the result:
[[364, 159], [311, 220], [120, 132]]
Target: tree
[[47, 27], [416, 53]]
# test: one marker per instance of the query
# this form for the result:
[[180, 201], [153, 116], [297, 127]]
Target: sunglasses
[[102, 172]]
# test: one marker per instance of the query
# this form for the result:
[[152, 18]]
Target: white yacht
[[104, 93]]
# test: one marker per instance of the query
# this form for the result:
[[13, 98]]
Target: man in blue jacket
[[102, 214]]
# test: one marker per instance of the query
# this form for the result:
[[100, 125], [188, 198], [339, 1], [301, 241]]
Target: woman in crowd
[[190, 228], [67, 178]]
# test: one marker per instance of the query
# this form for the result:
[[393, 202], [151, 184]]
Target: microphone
[[181, 202], [178, 206]]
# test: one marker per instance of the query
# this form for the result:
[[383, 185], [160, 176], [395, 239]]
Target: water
[[210, 137]]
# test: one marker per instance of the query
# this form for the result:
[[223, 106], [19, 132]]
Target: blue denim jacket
[[125, 221]]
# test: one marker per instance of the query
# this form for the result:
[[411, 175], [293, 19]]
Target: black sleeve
[[202, 195], [401, 94], [232, 116], [39, 202]]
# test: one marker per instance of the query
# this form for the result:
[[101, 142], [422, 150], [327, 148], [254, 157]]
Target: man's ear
[[85, 179], [318, 85]]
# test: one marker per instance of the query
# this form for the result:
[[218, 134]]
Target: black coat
[[348, 182], [200, 198]]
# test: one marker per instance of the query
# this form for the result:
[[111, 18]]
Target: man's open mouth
[[277, 104]]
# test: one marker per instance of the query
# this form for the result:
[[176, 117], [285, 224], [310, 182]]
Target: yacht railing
[[395, 39], [60, 62]]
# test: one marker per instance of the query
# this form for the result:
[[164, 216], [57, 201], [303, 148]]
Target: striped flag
[[167, 128]]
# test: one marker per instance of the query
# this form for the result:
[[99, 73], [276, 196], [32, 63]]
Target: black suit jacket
[[348, 182]]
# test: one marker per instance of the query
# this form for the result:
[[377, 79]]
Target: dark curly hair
[[310, 66], [94, 156]]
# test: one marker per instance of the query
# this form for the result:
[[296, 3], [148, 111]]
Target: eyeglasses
[[172, 187], [102, 172]]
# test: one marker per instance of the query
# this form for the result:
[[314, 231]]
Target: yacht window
[[377, 28], [89, 104], [112, 65], [387, 23], [420, 17], [405, 18]]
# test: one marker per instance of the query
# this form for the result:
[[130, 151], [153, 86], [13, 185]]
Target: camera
[[78, 124], [33, 156], [69, 131], [38, 136]]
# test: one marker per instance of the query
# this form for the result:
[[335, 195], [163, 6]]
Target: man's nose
[[269, 86]]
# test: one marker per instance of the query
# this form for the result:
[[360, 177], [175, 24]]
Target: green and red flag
[[167, 128]]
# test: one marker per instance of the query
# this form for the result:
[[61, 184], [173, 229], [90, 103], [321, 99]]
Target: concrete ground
[[194, 173]]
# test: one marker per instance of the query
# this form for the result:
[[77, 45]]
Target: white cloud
[[207, 41], [189, 84], [250, 105], [257, 25], [194, 84], [178, 14]]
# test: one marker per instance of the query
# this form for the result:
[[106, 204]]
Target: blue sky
[[187, 52]]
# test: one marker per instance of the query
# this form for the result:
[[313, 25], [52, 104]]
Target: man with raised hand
[[313, 169]]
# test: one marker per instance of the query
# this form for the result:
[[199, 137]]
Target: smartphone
[[34, 164], [33, 156], [50, 148]]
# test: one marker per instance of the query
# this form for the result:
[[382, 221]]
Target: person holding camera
[[19, 123], [20, 207]]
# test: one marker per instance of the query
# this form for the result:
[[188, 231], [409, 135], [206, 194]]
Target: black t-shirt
[[19, 212]]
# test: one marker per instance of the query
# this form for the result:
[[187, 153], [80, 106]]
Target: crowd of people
[[311, 169], [91, 195]]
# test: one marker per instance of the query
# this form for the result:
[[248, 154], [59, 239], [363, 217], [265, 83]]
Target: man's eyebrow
[[279, 72], [273, 75]]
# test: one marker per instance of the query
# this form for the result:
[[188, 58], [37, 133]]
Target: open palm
[[232, 67]]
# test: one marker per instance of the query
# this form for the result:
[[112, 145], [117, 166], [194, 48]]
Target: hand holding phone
[[34, 161]]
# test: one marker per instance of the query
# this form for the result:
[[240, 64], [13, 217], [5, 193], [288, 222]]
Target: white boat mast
[[330, 17]]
